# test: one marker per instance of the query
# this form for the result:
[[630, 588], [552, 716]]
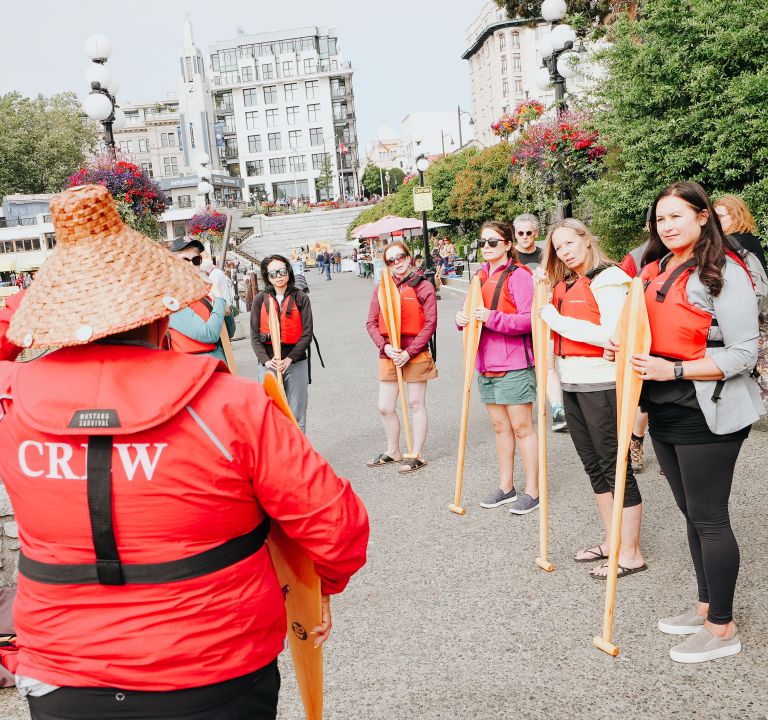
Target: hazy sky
[[406, 54]]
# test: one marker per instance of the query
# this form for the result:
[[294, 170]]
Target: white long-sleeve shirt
[[610, 289]]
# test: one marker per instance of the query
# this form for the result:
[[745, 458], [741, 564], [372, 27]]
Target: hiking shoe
[[499, 497], [558, 419], [636, 454], [688, 623], [704, 646], [525, 504]]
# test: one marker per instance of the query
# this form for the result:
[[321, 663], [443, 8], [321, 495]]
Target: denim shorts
[[515, 387]]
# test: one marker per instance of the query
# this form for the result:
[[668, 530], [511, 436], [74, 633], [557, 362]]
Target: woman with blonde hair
[[588, 293], [737, 221]]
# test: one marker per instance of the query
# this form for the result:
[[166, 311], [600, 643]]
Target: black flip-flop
[[623, 571], [412, 464], [382, 459], [594, 555]]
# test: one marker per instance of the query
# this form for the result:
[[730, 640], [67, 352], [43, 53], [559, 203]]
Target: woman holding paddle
[[506, 378], [588, 296], [418, 321], [700, 397], [295, 317]]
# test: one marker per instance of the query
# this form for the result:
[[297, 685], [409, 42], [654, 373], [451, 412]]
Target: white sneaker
[[688, 623], [704, 646]]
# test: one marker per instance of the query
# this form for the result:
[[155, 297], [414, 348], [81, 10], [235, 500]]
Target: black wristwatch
[[679, 374]]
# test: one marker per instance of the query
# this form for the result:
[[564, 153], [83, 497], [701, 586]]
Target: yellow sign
[[422, 199]]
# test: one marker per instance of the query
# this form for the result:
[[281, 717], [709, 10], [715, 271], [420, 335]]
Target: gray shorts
[[515, 387]]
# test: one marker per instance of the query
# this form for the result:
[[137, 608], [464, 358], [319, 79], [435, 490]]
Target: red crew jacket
[[199, 458], [9, 351]]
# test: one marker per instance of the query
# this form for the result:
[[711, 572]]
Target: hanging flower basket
[[208, 225]]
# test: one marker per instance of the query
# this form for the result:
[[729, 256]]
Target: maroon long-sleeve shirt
[[413, 344]]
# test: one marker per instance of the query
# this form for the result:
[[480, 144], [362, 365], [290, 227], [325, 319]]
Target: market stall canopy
[[7, 264], [430, 226]]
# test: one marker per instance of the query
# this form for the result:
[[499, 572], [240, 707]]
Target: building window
[[516, 67], [185, 201], [309, 66], [294, 138], [505, 87], [230, 148], [224, 102], [518, 87], [229, 123], [298, 163], [318, 160], [168, 139], [277, 165], [270, 95], [274, 141], [247, 73], [50, 240], [249, 97], [170, 166], [339, 110], [267, 72], [254, 167], [315, 136], [147, 167], [503, 64], [126, 146], [258, 192], [290, 91], [313, 112], [338, 87], [310, 87], [272, 117], [289, 68], [252, 119], [254, 143], [502, 41], [292, 115], [514, 40], [143, 145]]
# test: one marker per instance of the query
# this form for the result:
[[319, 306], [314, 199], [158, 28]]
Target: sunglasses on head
[[278, 273], [197, 260], [524, 233], [482, 242], [394, 259]]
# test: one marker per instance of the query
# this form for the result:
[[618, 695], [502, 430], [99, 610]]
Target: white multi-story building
[[285, 114], [387, 151], [434, 133], [503, 59]]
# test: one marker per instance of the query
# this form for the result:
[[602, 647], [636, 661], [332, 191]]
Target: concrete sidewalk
[[451, 619]]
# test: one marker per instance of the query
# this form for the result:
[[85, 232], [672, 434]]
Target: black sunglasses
[[393, 260], [278, 273], [197, 260], [482, 242], [526, 233]]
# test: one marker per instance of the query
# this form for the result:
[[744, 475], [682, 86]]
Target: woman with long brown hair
[[588, 296]]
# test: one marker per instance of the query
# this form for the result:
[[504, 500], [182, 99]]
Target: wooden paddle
[[389, 302], [541, 355], [472, 332], [225, 343], [274, 335], [634, 337], [301, 586]]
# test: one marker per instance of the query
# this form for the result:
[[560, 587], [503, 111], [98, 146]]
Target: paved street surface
[[451, 618]]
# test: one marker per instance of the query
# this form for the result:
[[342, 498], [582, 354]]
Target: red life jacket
[[183, 456], [411, 312], [9, 351], [183, 343], [577, 301], [289, 318], [496, 288]]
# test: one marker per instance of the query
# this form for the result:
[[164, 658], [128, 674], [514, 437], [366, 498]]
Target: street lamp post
[[100, 105], [421, 166], [444, 135], [386, 177], [459, 113], [381, 179], [204, 187]]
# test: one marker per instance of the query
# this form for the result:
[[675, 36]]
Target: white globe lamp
[[98, 73], [561, 35], [553, 10], [542, 79], [98, 107], [567, 65], [98, 48], [203, 173], [204, 188], [422, 164], [113, 87], [202, 158], [545, 46]]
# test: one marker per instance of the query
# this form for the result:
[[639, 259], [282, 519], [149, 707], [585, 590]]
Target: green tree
[[42, 142], [685, 99], [372, 176], [324, 182], [582, 14]]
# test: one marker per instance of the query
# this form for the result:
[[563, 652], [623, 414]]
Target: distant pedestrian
[[321, 261], [337, 261]]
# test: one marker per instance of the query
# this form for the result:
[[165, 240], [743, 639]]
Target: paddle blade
[[472, 331], [634, 335], [273, 388], [274, 329], [389, 302], [540, 336]]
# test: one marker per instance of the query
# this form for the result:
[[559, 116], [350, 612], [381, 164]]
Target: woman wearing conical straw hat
[[418, 304], [506, 378], [143, 482]]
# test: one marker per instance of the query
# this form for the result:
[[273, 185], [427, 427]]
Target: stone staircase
[[280, 233]]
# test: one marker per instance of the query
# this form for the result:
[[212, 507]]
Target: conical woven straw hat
[[102, 277]]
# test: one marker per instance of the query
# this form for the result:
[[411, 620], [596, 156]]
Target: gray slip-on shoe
[[499, 497], [704, 646], [525, 504], [686, 624]]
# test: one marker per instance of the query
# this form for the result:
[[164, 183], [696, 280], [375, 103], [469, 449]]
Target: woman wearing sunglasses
[[587, 300], [196, 330], [418, 321], [506, 378], [295, 313]]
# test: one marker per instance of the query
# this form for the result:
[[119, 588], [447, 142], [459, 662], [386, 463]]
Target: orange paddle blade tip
[[545, 565], [456, 509], [606, 647]]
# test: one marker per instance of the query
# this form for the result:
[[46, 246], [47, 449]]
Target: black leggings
[[591, 418], [250, 697], [700, 477]]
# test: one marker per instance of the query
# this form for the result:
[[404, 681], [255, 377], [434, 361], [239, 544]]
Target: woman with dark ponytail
[[700, 397]]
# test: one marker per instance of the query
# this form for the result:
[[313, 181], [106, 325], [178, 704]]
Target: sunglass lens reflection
[[277, 273], [396, 259], [490, 243]]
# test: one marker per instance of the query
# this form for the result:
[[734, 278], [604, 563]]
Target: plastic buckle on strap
[[110, 572]]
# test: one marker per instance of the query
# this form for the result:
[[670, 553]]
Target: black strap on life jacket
[[661, 294], [208, 304], [108, 569]]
